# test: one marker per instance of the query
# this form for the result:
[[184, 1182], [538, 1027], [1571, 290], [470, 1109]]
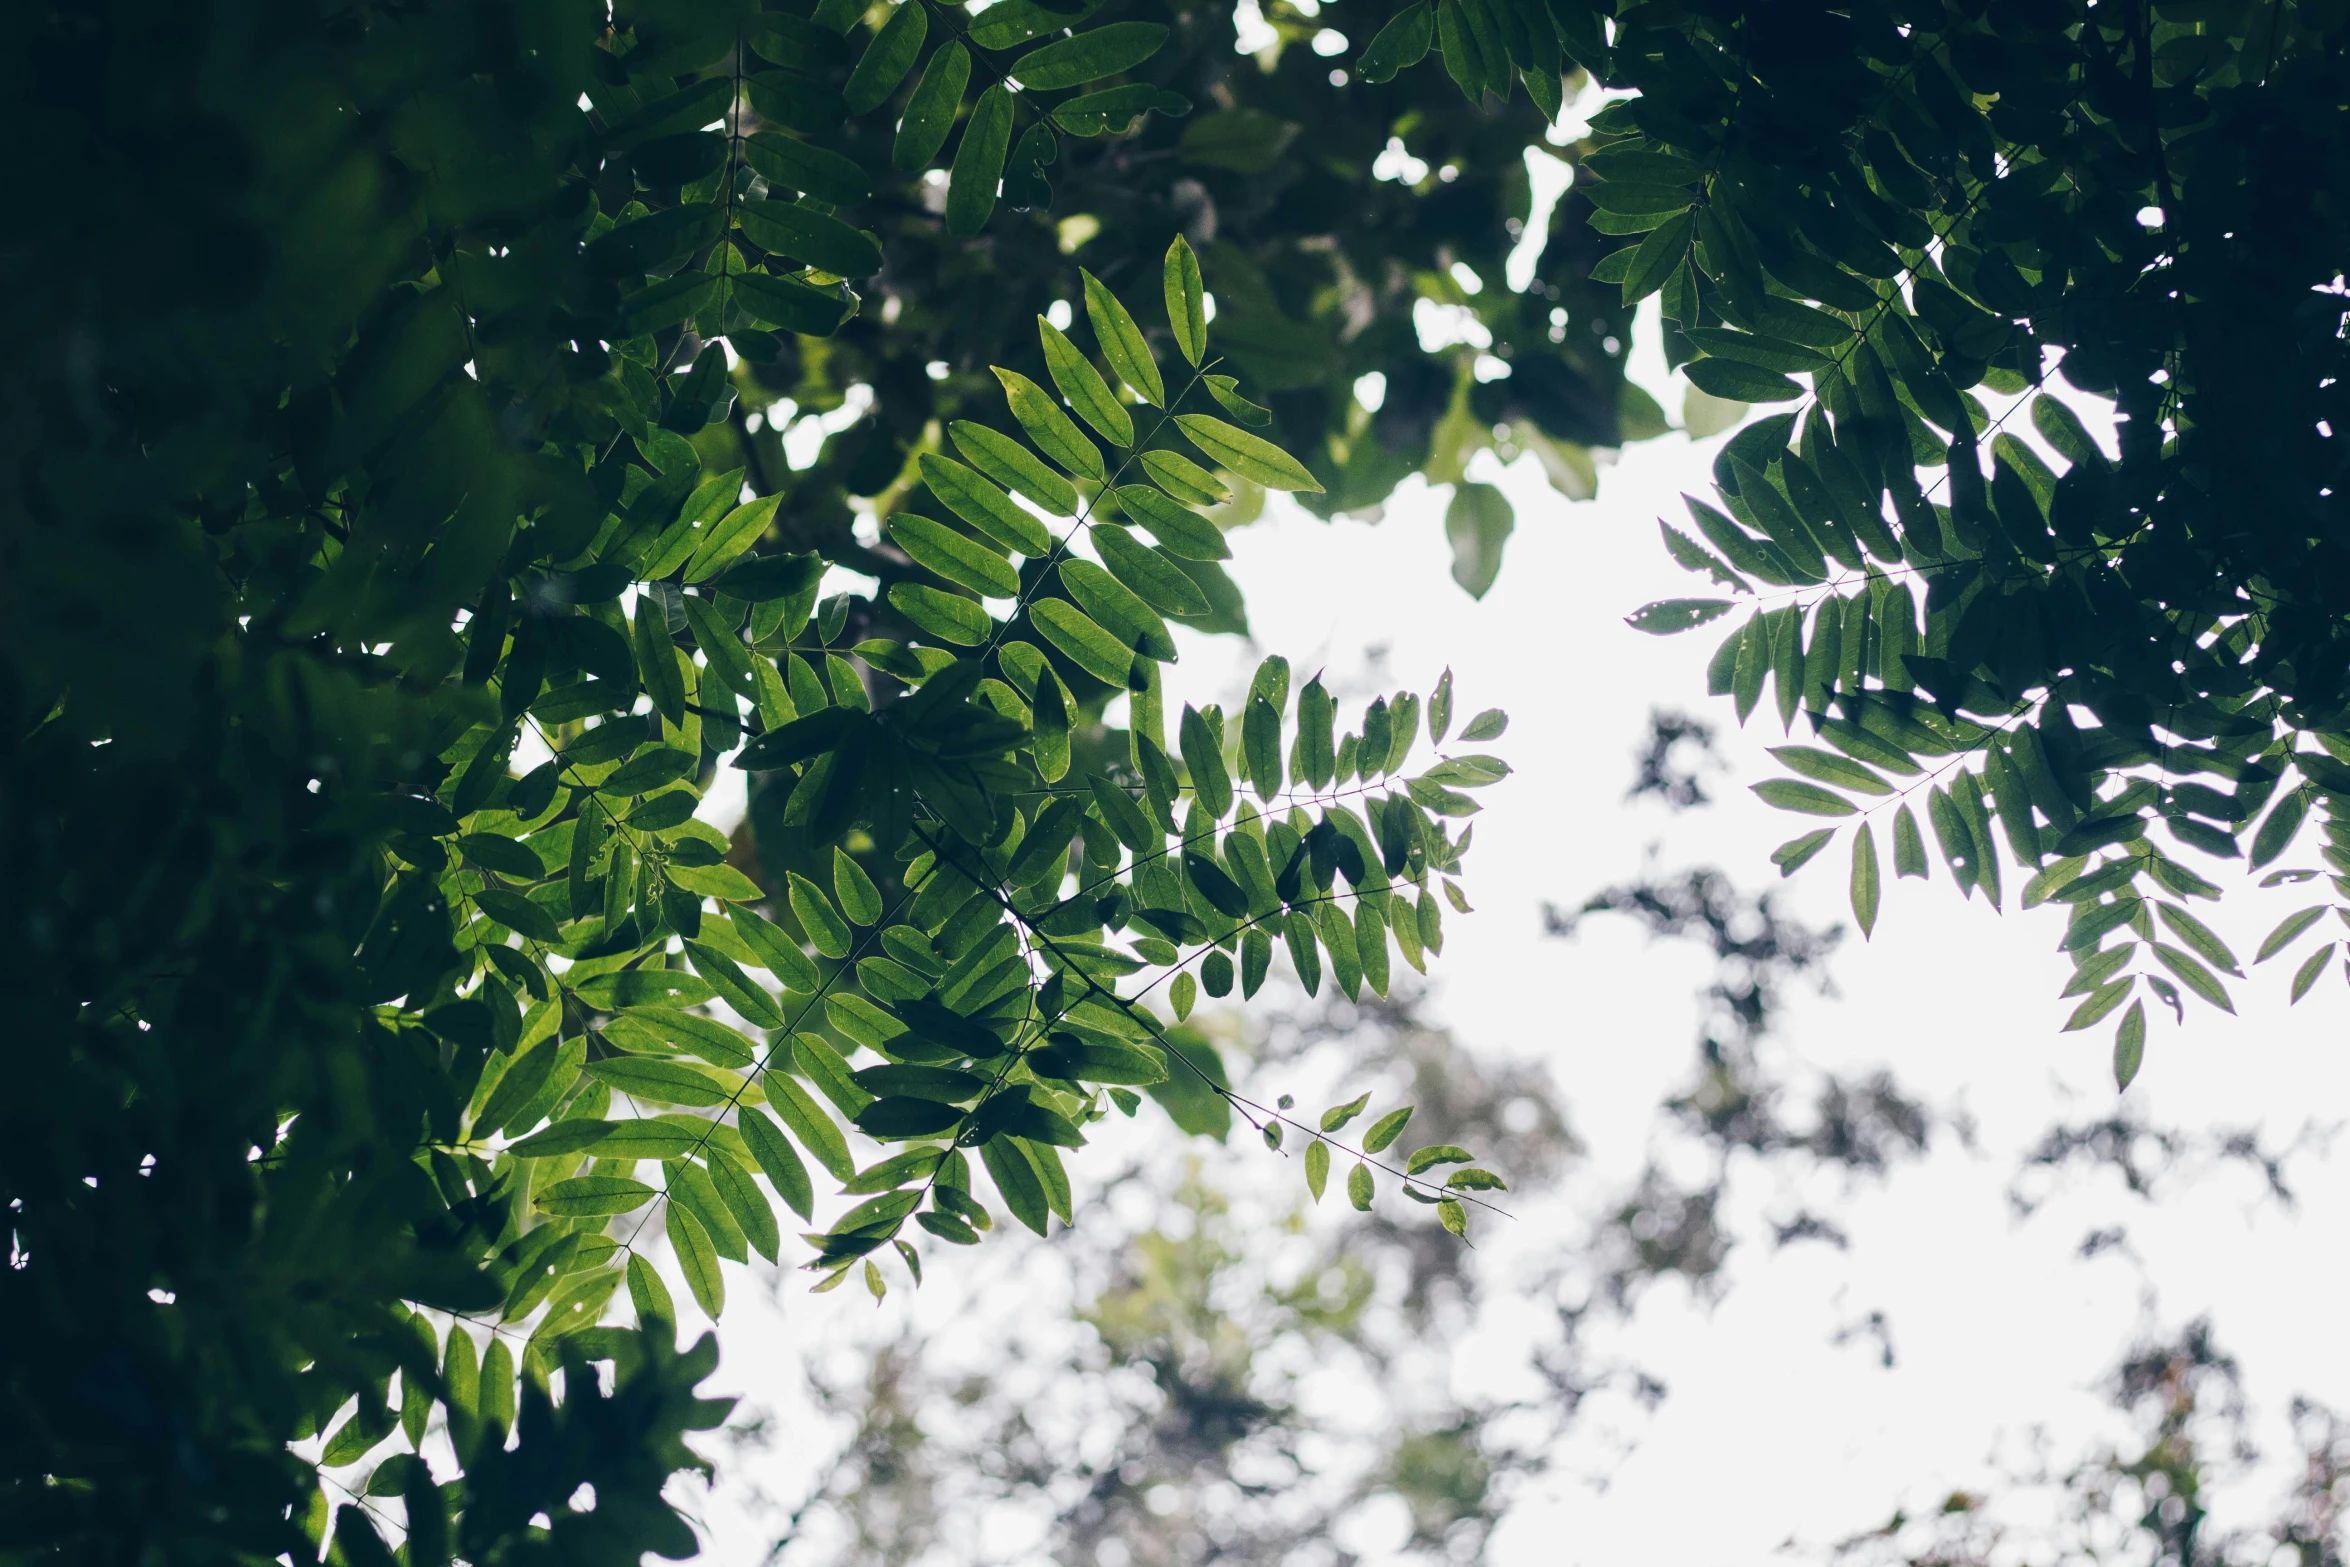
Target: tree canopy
[[405, 520]]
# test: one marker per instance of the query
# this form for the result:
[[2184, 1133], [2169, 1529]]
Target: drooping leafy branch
[[1905, 202], [981, 981]]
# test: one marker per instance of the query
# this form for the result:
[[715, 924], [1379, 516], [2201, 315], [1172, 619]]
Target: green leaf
[[1790, 794], [520, 1084], [1491, 724], [661, 1082], [762, 579], [2194, 975], [657, 667], [930, 112], [1909, 845], [777, 951], [1338, 1115], [1016, 1180], [2197, 935], [1666, 246], [687, 1031], [980, 503], [1084, 387], [859, 898], [696, 1258], [1453, 1217], [1079, 1061], [2278, 828], [1828, 768], [647, 243], [1054, 432], [1011, 23], [647, 1293], [1667, 616], [1186, 312], [1386, 1129], [1740, 383], [2100, 1003], [1767, 353], [1317, 1167], [792, 100], [1402, 43], [696, 106], [1122, 344], [1252, 457], [1156, 580], [594, 1196], [738, 989], [1477, 523], [1226, 391], [1358, 1187], [979, 163], [1636, 197], [789, 228], [643, 987], [1184, 479], [564, 1137], [1114, 607], [801, 166], [518, 914], [1260, 746], [958, 559], [1113, 110], [2129, 1045], [728, 659], [898, 1116], [1091, 648], [1796, 853], [1866, 887], [744, 1203], [1956, 838], [729, 537], [810, 1125], [2311, 970], [668, 302], [2093, 971], [776, 1159], [1088, 56], [1211, 782], [791, 305], [1687, 552], [2289, 931], [1435, 1154], [648, 770], [948, 1228], [696, 1191], [827, 931], [885, 63]]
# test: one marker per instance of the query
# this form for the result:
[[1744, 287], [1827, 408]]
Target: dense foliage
[[374, 622], [404, 520], [1906, 203]]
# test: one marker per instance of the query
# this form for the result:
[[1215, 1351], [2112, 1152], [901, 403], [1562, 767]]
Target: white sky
[[1775, 1432]]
